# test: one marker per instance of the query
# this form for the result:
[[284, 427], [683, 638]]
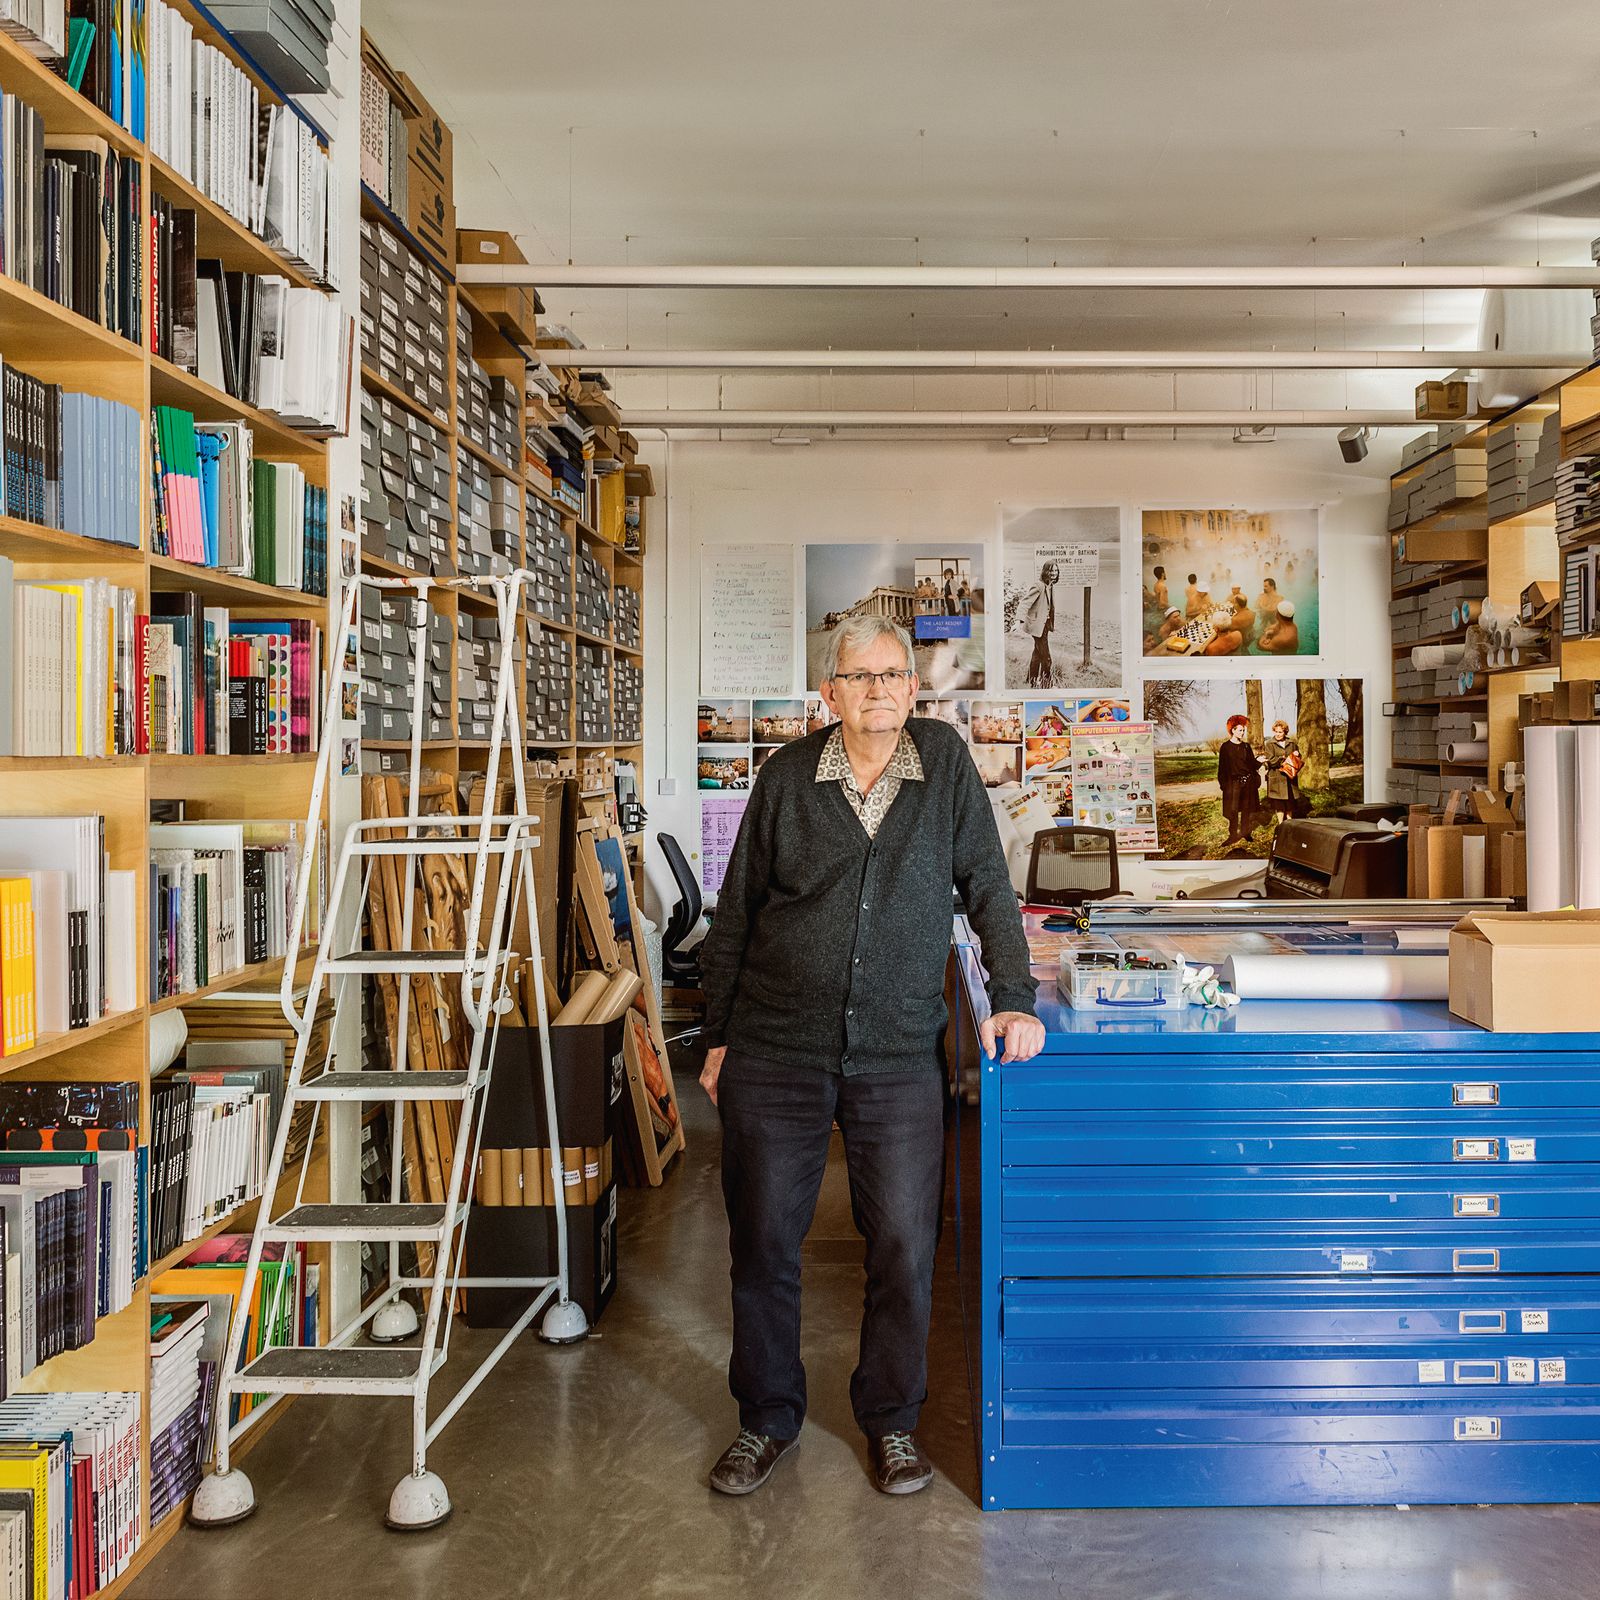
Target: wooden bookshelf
[[57, 345]]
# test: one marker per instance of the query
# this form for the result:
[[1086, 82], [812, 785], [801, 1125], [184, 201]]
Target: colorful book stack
[[70, 1463], [70, 669], [114, 75], [185, 1354]]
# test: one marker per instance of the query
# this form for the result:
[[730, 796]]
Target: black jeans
[[776, 1123], [1040, 666]]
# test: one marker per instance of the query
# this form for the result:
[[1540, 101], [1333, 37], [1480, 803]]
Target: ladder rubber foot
[[564, 1323], [222, 1499], [420, 1501], [396, 1321]]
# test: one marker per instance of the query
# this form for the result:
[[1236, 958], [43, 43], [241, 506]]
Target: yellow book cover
[[10, 986], [31, 1472], [27, 1021], [77, 624]]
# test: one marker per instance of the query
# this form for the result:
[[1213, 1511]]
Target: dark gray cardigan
[[828, 949]]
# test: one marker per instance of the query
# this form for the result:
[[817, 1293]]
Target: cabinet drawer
[[1348, 1083], [1461, 1136], [1515, 1193]]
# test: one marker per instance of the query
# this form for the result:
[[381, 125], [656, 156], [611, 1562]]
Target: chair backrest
[[1071, 865], [686, 913]]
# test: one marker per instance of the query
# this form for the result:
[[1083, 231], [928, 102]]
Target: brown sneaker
[[898, 1464], [747, 1463]]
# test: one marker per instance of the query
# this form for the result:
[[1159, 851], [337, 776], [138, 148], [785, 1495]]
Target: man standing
[[824, 981], [1038, 612]]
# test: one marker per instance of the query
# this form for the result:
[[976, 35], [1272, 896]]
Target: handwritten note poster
[[747, 619], [720, 816]]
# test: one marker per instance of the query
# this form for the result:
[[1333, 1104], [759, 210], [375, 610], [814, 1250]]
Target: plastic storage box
[[1121, 980]]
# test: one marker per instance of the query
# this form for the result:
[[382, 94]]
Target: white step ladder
[[343, 1366]]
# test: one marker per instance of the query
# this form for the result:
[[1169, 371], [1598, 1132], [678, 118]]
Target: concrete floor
[[581, 1472]]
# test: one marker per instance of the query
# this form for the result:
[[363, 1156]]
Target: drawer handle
[[1477, 1261], [1477, 1372], [1475, 1094], [1482, 1322], [1476, 1205], [1475, 1149], [1477, 1428]]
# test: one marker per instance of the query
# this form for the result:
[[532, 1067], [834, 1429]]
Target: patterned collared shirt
[[872, 808]]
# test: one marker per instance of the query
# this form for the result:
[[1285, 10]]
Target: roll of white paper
[[1431, 657], [1480, 730], [1588, 815], [1550, 780], [1319, 977], [1472, 865], [168, 1031], [1459, 750]]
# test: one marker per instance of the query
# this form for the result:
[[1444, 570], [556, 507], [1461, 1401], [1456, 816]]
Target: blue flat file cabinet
[[1301, 1254]]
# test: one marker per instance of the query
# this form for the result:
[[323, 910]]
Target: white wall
[[711, 493]]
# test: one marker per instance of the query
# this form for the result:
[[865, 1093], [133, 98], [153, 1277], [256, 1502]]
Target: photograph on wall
[[778, 721], [760, 756], [724, 722], [942, 589], [998, 764], [817, 714], [1056, 788], [1050, 754], [1230, 583], [1063, 597], [1048, 719], [1114, 782], [958, 713], [997, 722], [1235, 757], [1104, 709], [881, 580], [721, 768]]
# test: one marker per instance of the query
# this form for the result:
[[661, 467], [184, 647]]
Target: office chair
[[1069, 866], [681, 968]]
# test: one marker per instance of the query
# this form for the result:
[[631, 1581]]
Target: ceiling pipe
[[678, 419], [1055, 360], [545, 275]]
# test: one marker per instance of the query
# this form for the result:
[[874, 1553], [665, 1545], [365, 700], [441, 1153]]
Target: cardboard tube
[[618, 997], [1431, 657], [532, 1179], [1473, 865], [591, 1174], [492, 1191], [510, 1177], [1467, 612], [1480, 730], [1461, 750], [585, 996], [572, 1173]]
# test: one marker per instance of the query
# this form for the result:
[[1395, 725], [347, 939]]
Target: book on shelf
[[68, 459], [187, 1335], [276, 1315], [256, 159], [69, 918], [18, 1003], [39, 26], [114, 76], [222, 898], [70, 1462]]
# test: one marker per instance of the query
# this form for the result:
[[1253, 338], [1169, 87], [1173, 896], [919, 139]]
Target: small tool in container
[[1121, 980]]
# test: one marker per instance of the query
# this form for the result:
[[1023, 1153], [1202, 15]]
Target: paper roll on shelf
[[1462, 750], [1587, 762], [1480, 730], [1433, 657], [1320, 977], [1468, 611], [1550, 782]]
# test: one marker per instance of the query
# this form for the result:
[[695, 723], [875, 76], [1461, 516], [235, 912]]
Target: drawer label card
[[1478, 1150], [1477, 1427], [1519, 1369], [1522, 1150], [1477, 1094], [1553, 1369], [1355, 1261], [1430, 1372], [1536, 1322], [1477, 1205]]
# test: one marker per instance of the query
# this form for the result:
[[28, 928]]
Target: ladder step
[[436, 846], [401, 1224], [384, 1085], [381, 961], [361, 1370]]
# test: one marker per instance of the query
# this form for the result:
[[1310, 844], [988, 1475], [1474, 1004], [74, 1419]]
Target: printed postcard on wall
[[1062, 597], [747, 619], [1235, 757], [1221, 584], [934, 592]]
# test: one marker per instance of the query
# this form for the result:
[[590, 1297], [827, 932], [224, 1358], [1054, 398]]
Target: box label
[[1355, 1261], [1553, 1369], [1475, 1205], [1519, 1369], [1477, 1150], [1536, 1322], [1477, 1427], [1430, 1372], [1521, 1149]]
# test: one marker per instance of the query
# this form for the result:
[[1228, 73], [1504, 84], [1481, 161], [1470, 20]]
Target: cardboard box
[[428, 139], [589, 1075], [488, 247], [1526, 971], [431, 213]]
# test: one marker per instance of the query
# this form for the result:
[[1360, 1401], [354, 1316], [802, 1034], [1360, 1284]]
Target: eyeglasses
[[896, 678]]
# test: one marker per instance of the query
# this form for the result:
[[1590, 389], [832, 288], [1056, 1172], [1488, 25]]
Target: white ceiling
[[1017, 131]]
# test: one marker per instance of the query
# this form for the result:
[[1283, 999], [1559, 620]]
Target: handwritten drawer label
[[1477, 1427], [1355, 1261], [1477, 1205], [1430, 1372], [1536, 1322], [1521, 1150], [1553, 1369], [1477, 1149], [1519, 1369]]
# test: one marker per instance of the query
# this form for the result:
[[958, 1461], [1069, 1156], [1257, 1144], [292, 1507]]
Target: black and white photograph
[[1063, 597]]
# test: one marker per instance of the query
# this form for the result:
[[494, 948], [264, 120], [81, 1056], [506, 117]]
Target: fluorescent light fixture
[[790, 438], [1029, 438]]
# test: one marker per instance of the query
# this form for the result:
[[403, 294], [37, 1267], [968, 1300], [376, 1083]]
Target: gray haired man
[[824, 980]]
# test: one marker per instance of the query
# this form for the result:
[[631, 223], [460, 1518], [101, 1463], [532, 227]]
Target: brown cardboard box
[[1498, 823], [1527, 972], [431, 214], [1442, 401], [1511, 882], [488, 247], [1574, 700], [428, 138]]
